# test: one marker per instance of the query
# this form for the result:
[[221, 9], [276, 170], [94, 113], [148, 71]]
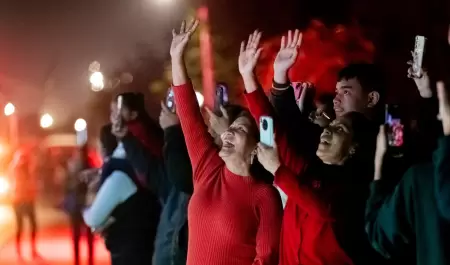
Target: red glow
[[323, 53]]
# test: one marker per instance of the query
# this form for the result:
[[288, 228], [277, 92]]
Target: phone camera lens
[[264, 124]]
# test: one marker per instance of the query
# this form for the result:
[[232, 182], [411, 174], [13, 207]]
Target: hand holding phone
[[394, 130], [419, 50], [220, 98], [266, 131], [170, 100]]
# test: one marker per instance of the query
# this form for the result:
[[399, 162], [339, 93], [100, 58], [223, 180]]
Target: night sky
[[49, 44]]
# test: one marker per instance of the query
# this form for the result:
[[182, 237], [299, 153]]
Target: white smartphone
[[419, 50], [266, 131]]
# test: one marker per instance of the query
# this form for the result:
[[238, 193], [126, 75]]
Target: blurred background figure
[[24, 194], [81, 170]]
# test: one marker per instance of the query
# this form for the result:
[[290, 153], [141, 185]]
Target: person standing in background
[[24, 199], [76, 200]]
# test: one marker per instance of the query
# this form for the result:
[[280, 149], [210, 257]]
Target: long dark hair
[[136, 102]]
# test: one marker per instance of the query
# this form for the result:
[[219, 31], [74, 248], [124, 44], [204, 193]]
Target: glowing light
[[200, 98], [4, 185], [80, 125], [46, 121], [97, 81], [9, 109]]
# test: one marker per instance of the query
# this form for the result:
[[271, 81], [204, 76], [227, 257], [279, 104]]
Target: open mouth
[[227, 144], [325, 140]]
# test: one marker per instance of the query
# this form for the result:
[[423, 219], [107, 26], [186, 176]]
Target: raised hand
[[444, 107], [268, 157], [180, 40], [287, 55], [249, 54], [219, 124], [380, 152], [167, 118], [422, 80]]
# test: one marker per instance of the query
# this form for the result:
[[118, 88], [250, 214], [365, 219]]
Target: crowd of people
[[201, 188]]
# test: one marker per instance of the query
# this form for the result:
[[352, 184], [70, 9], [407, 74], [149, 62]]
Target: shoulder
[[266, 194]]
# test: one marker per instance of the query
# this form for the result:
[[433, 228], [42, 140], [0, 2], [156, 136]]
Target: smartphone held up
[[395, 129], [266, 131], [220, 98], [170, 100], [419, 50]]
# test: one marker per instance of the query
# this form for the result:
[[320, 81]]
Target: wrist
[[275, 168], [426, 93], [280, 77]]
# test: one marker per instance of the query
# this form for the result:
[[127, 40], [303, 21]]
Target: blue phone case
[[266, 130]]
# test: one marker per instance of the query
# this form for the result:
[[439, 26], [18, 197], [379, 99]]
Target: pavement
[[54, 240]]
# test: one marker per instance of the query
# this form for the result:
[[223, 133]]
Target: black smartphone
[[170, 100], [394, 128], [220, 98]]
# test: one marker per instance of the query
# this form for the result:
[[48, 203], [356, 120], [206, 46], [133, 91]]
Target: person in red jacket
[[234, 219], [24, 196], [323, 221]]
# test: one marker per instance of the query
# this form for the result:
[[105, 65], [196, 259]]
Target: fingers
[[258, 54], [193, 27], [442, 94], [183, 27], [211, 114], [299, 40], [242, 49], [448, 36], [164, 107], [224, 112], [289, 39], [174, 33], [283, 43]]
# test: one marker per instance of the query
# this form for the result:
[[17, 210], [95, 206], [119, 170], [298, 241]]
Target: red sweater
[[233, 220], [307, 235]]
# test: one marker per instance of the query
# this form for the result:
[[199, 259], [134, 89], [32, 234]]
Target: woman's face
[[336, 142], [239, 139], [125, 113]]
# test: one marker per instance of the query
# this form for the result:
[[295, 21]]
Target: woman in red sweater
[[234, 219], [323, 221]]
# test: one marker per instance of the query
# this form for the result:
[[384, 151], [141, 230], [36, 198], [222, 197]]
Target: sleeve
[[176, 157], [270, 214], [441, 160], [202, 152], [283, 101], [259, 106], [116, 189], [302, 194], [388, 216], [147, 165]]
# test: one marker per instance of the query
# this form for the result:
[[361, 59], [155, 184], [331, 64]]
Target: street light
[[46, 121], [97, 81], [200, 98], [9, 109], [80, 125]]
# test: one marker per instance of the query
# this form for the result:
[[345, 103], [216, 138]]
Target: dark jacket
[[171, 238], [171, 241], [410, 221]]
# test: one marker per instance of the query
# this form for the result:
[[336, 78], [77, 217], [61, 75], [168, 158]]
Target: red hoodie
[[307, 235]]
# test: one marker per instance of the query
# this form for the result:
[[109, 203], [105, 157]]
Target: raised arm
[[388, 214], [202, 151], [258, 102], [441, 158], [269, 213]]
